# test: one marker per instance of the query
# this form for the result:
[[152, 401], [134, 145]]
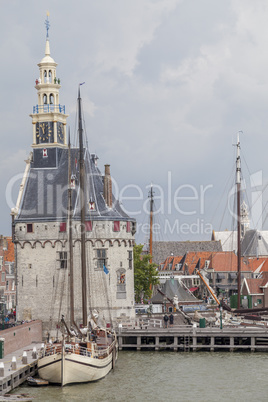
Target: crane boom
[[209, 288]]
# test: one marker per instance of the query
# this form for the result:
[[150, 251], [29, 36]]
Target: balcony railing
[[49, 108]]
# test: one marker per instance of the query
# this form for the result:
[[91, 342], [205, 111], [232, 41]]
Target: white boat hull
[[74, 368]]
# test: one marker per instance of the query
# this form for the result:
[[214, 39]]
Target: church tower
[[48, 117], [40, 224]]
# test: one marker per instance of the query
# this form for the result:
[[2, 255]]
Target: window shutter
[[116, 226], [88, 226], [128, 227], [63, 227]]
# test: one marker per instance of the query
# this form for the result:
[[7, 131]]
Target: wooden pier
[[187, 338]]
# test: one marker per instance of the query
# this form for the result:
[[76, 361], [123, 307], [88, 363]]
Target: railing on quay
[[48, 108]]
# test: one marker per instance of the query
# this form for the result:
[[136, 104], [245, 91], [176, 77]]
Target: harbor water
[[170, 376]]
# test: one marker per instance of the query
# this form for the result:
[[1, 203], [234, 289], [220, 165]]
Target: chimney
[[107, 187]]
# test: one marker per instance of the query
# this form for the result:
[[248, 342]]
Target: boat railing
[[80, 350]]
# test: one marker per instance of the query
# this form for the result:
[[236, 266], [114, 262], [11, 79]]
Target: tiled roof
[[164, 249], [191, 259], [227, 261], [256, 264], [264, 267], [9, 255], [254, 285]]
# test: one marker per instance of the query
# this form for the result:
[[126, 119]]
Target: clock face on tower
[[44, 132], [60, 133]]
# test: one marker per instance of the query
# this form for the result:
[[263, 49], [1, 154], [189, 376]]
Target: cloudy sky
[[169, 83]]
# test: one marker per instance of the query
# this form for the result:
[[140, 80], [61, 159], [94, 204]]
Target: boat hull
[[74, 368]]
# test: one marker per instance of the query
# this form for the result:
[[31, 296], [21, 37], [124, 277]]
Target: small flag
[[82, 83], [105, 269]]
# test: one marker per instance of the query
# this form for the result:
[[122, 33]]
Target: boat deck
[[13, 378]]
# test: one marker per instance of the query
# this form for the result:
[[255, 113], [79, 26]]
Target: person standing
[[171, 319], [165, 321]]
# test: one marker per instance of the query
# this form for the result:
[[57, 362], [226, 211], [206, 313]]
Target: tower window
[[130, 258], [51, 99], [45, 99], [101, 258], [63, 259], [29, 228]]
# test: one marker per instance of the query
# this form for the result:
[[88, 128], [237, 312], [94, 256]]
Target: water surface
[[171, 376]]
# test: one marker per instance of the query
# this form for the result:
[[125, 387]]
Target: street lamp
[[220, 317]]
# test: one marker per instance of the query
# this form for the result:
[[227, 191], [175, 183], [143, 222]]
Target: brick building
[[7, 273]]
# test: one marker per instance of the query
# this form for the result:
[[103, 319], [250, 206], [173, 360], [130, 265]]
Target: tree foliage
[[145, 274]]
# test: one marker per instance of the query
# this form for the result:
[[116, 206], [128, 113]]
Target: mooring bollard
[[24, 358], [14, 363], [2, 369], [34, 354]]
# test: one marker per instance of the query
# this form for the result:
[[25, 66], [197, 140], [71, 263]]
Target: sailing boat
[[89, 353]]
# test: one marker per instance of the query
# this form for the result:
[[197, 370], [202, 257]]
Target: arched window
[[45, 99], [51, 99], [45, 75], [50, 75]]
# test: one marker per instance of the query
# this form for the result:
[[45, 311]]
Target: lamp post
[[220, 317]]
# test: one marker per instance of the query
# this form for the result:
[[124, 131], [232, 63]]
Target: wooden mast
[[151, 223], [238, 184], [82, 206], [70, 234]]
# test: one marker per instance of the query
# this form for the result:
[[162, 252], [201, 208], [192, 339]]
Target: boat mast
[[238, 188], [82, 206], [70, 215], [151, 222]]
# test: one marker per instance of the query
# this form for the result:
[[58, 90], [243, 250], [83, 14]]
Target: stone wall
[[22, 335], [43, 285]]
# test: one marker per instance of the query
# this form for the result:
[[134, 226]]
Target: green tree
[[145, 274]]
